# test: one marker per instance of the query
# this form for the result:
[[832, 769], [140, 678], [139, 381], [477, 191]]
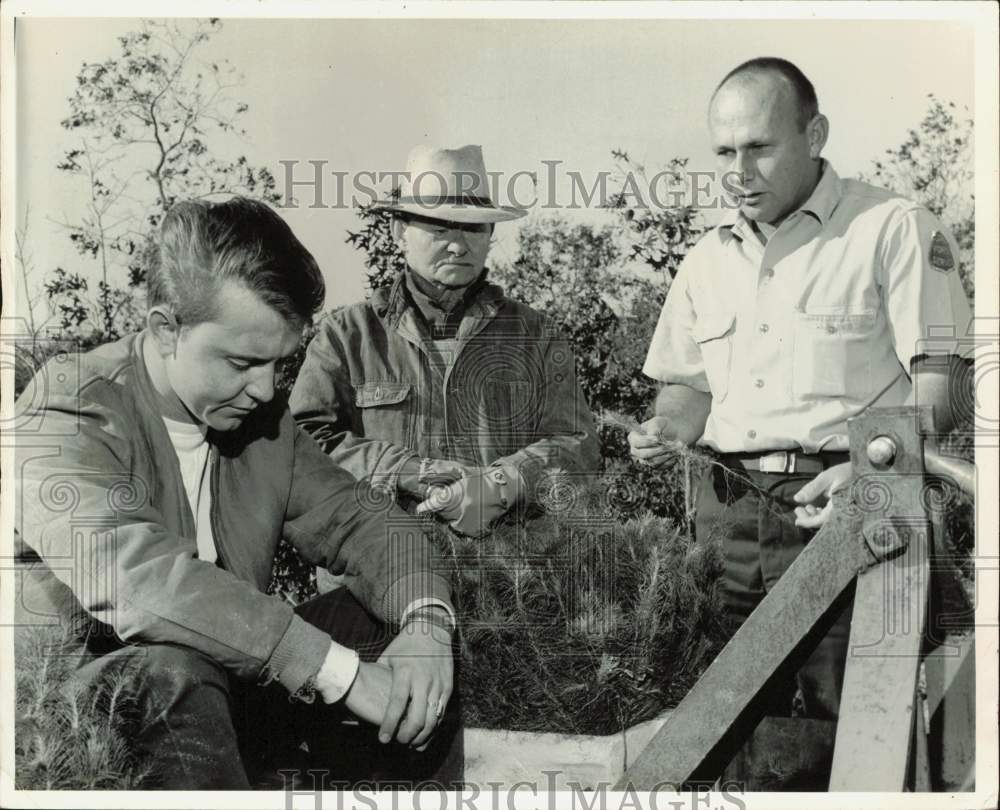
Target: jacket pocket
[[713, 332], [387, 411], [832, 354]]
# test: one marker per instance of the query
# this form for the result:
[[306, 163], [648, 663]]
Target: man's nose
[[743, 166], [261, 385], [456, 244]]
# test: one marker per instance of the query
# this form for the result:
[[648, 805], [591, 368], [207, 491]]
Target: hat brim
[[454, 212]]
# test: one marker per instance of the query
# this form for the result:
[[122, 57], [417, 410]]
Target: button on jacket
[[102, 502], [375, 390], [794, 337]]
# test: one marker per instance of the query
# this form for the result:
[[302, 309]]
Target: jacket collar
[[390, 305], [440, 306], [821, 204]]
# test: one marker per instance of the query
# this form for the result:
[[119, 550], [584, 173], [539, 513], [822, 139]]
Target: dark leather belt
[[788, 461]]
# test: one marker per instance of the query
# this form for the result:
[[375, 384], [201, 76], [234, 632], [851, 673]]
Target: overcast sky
[[360, 93]]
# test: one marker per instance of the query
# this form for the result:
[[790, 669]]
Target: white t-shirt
[[191, 446]]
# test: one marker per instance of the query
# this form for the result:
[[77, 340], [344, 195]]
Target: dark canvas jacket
[[102, 502], [369, 392]]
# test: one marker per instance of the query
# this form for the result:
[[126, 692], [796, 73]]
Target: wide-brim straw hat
[[448, 184]]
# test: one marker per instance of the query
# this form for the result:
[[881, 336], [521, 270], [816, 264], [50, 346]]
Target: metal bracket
[[887, 447]]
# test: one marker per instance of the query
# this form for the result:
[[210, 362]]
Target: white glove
[[475, 500]]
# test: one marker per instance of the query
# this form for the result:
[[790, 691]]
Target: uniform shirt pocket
[[713, 332], [832, 353], [386, 410]]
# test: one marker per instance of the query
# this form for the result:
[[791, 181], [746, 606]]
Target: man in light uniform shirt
[[804, 307]]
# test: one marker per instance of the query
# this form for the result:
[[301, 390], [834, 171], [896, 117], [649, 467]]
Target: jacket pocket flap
[[712, 325], [371, 394]]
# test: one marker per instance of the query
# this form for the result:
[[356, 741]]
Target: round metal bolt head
[[881, 450]]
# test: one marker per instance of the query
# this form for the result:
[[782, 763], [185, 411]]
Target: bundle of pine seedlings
[[580, 620], [69, 736]]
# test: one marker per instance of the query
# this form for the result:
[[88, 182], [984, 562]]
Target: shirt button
[[759, 383], [763, 328], [378, 394], [751, 434], [831, 330], [769, 273]]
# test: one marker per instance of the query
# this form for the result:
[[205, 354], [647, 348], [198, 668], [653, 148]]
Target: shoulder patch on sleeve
[[941, 258]]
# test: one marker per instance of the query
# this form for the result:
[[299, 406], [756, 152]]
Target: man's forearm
[[686, 411]]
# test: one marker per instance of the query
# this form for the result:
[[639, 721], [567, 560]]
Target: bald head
[[762, 96], [779, 82], [767, 143]]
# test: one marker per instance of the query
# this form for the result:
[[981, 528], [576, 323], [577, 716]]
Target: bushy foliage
[[657, 236], [147, 125], [934, 166], [572, 273], [383, 259]]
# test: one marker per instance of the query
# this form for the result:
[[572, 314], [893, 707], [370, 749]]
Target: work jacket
[[375, 390], [102, 503]]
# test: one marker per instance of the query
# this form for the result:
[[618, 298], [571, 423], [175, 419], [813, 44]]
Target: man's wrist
[[510, 484], [409, 478], [436, 615], [335, 677]]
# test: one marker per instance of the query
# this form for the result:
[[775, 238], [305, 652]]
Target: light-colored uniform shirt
[[794, 337]]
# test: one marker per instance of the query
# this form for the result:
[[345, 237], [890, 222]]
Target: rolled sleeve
[[925, 302], [674, 356]]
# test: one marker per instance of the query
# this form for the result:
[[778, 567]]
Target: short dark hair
[[805, 93], [203, 244]]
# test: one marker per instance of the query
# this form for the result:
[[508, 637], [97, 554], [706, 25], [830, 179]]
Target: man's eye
[[239, 365]]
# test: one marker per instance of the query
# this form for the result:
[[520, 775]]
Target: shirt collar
[[821, 204], [825, 196]]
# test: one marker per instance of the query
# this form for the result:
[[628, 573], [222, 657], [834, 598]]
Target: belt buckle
[[782, 461]]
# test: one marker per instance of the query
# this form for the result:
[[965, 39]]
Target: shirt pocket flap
[[834, 321], [712, 325], [373, 394]]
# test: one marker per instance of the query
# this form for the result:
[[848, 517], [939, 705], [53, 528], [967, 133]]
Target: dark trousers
[[201, 729], [752, 515]]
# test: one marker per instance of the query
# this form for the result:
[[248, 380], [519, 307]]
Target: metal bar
[[961, 472], [951, 704], [920, 762], [825, 567], [882, 518], [876, 725]]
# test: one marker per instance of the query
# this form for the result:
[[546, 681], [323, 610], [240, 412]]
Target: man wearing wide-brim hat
[[441, 389]]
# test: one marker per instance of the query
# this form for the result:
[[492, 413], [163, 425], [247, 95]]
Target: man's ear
[[818, 130], [164, 329], [398, 226]]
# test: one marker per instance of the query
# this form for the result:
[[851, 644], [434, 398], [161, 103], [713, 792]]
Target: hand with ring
[[420, 659]]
